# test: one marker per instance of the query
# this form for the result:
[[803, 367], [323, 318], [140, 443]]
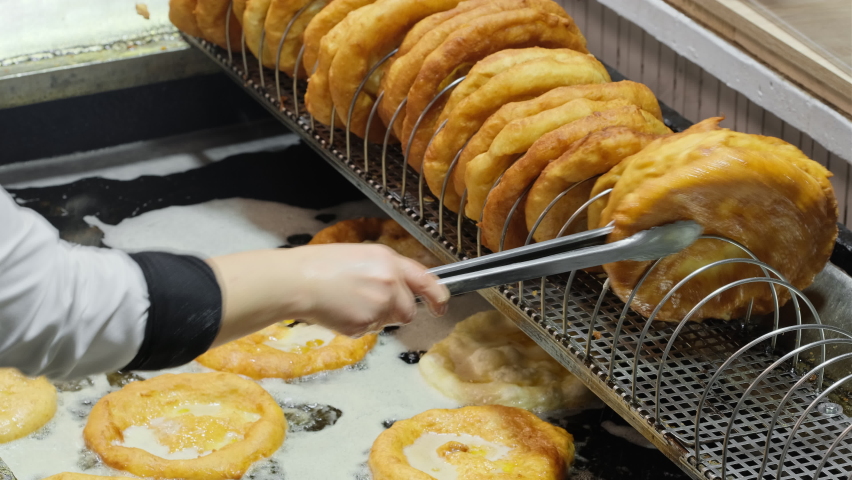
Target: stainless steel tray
[[784, 424]]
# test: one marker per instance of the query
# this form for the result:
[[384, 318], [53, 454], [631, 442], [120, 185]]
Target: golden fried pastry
[[278, 17], [253, 19], [26, 404], [636, 93], [286, 350], [81, 476], [210, 15], [759, 191], [594, 155], [519, 135], [520, 82], [239, 7], [488, 360], [351, 49], [182, 16], [321, 24], [472, 443], [203, 426], [526, 27], [377, 230], [520, 175], [418, 44]]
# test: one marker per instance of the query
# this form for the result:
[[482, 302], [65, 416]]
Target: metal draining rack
[[722, 383]]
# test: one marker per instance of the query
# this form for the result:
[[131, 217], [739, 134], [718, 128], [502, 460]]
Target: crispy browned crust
[[375, 30], [250, 356], [253, 19], [520, 82], [182, 16], [758, 191], [589, 157], [635, 93], [540, 451], [546, 149], [142, 401], [526, 27], [420, 42], [278, 17], [26, 404], [210, 16]]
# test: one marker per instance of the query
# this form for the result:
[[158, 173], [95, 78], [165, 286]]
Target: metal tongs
[[564, 254]]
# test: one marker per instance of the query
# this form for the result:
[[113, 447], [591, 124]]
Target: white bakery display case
[[757, 397]]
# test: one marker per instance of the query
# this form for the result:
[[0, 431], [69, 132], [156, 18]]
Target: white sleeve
[[65, 310]]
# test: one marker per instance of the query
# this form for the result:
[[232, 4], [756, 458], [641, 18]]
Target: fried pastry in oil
[[212, 425], [521, 174], [488, 360], [26, 404], [594, 155], [278, 17], [404, 66], [521, 82], [373, 31], [494, 442], [758, 191], [377, 230], [520, 28], [81, 476], [210, 16]]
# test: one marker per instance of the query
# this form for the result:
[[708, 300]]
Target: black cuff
[[185, 312]]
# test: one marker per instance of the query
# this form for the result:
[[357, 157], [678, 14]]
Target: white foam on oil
[[145, 438], [300, 336], [424, 456]]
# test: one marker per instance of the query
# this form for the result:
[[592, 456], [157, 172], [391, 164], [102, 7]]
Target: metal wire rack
[[718, 398]]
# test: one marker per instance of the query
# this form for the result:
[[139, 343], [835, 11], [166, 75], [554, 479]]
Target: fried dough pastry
[[278, 17], [377, 230], [758, 191], [526, 27], [519, 135], [202, 426], [321, 24], [609, 179], [371, 32], [520, 82], [81, 476], [26, 404], [636, 93], [404, 66], [182, 16], [288, 351], [594, 155], [472, 443], [239, 7], [520, 175], [488, 360], [210, 15], [254, 18]]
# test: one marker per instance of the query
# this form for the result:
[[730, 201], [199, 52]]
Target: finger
[[404, 308], [426, 285]]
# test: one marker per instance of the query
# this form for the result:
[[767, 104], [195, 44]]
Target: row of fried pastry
[[536, 117], [216, 425]]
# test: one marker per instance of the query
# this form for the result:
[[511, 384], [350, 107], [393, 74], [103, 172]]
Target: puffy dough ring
[[253, 357], [279, 16], [377, 230], [254, 17], [321, 25], [488, 360], [25, 405], [182, 16], [526, 27], [520, 82], [247, 413], [547, 148], [418, 44], [759, 191], [536, 450], [594, 155]]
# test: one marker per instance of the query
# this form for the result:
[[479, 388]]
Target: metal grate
[[576, 319]]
